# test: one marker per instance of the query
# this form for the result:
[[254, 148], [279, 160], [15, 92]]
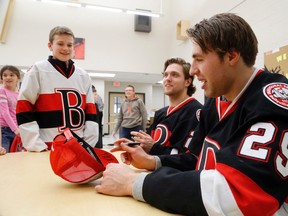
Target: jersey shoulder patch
[[277, 93]]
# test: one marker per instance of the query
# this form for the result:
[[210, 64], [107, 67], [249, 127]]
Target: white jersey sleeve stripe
[[216, 194]]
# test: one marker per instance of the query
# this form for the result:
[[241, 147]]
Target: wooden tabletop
[[29, 187]]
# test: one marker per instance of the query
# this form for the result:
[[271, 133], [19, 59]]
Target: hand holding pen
[[134, 154]]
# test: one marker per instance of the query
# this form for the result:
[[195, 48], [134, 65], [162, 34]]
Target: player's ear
[[188, 81], [233, 56]]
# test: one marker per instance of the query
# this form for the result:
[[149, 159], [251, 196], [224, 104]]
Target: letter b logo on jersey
[[73, 113]]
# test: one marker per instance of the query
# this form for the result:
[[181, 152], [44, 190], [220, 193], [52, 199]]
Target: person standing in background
[[99, 106], [56, 94], [132, 115], [10, 75]]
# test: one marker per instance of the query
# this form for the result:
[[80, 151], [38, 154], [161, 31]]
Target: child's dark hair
[[12, 68]]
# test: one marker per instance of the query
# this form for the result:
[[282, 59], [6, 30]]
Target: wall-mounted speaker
[[142, 23]]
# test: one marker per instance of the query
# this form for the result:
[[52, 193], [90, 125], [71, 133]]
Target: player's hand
[[134, 155], [117, 144], [145, 139], [117, 180]]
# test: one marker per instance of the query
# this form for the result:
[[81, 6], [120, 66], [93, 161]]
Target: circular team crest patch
[[277, 93]]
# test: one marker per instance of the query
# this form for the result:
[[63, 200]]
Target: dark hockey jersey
[[173, 127], [243, 164]]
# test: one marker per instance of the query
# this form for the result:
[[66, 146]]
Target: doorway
[[115, 101]]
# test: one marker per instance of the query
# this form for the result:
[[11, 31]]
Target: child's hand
[[2, 151]]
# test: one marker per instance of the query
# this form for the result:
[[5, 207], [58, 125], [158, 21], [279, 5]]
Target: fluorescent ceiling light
[[96, 7], [101, 74], [62, 3], [105, 8], [160, 82], [24, 70], [143, 13]]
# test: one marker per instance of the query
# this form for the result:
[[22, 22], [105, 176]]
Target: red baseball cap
[[75, 161]]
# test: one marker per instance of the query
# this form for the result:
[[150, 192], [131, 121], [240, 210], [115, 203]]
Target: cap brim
[[105, 157]]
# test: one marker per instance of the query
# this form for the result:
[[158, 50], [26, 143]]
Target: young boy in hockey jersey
[[242, 134], [56, 94], [173, 125]]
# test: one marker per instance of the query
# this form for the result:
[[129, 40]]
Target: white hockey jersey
[[51, 100]]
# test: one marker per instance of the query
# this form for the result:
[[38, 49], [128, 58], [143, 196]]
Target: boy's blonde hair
[[58, 30]]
